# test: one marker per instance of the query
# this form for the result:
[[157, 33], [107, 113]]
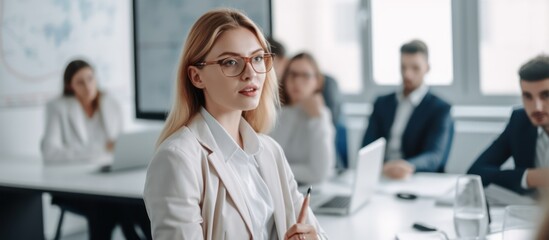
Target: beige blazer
[[65, 132], [191, 194]]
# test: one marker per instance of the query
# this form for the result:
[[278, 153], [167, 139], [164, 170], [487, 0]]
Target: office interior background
[[476, 48]]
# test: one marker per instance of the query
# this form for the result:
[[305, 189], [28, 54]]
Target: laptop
[[368, 171], [133, 150]]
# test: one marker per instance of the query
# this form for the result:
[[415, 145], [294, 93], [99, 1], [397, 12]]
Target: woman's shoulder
[[60, 100], [59, 103], [183, 142], [288, 109], [180, 152], [297, 110], [290, 113], [326, 111]]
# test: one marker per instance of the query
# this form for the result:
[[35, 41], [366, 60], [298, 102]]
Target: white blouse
[[246, 170]]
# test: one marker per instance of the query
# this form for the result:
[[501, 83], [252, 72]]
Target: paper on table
[[430, 185]]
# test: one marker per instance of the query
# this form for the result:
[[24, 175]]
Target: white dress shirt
[[246, 170], [405, 108], [542, 154]]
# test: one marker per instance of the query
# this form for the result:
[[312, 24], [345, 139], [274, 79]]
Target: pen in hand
[[302, 217]]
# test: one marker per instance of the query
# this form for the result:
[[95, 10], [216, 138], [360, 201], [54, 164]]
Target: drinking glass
[[470, 214]]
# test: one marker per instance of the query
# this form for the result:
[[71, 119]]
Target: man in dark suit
[[416, 123], [525, 138]]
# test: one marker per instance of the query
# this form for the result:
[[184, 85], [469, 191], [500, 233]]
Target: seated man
[[525, 138], [416, 123]]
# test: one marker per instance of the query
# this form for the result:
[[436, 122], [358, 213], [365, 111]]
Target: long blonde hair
[[188, 99]]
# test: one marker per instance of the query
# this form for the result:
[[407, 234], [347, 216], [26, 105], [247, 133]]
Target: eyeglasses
[[234, 66]]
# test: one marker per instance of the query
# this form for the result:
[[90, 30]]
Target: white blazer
[[65, 135], [191, 194]]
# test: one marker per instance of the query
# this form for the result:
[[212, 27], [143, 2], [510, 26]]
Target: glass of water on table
[[470, 213]]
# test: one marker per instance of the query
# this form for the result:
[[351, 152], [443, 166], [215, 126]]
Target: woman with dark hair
[[81, 127], [304, 128]]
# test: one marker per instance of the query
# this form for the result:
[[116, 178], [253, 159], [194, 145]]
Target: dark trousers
[[102, 216], [135, 216]]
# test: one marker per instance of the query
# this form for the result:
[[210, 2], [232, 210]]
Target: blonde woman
[[215, 174], [304, 127]]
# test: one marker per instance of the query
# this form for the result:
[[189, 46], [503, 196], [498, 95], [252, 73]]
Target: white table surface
[[84, 179], [382, 217], [385, 216]]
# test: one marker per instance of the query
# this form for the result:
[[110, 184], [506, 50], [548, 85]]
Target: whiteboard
[[39, 37]]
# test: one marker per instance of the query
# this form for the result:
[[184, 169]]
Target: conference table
[[23, 180], [384, 216]]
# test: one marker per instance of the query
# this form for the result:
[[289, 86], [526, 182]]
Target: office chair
[[59, 223], [341, 146], [442, 166]]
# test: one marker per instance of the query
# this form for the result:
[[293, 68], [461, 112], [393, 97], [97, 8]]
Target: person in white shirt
[[81, 127], [215, 175], [304, 128], [416, 123]]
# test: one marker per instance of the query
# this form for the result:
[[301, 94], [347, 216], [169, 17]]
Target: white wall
[[20, 130]]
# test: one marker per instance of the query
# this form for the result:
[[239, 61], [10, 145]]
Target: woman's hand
[[301, 231], [313, 105]]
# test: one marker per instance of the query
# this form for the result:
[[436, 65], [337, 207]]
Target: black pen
[[302, 217]]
